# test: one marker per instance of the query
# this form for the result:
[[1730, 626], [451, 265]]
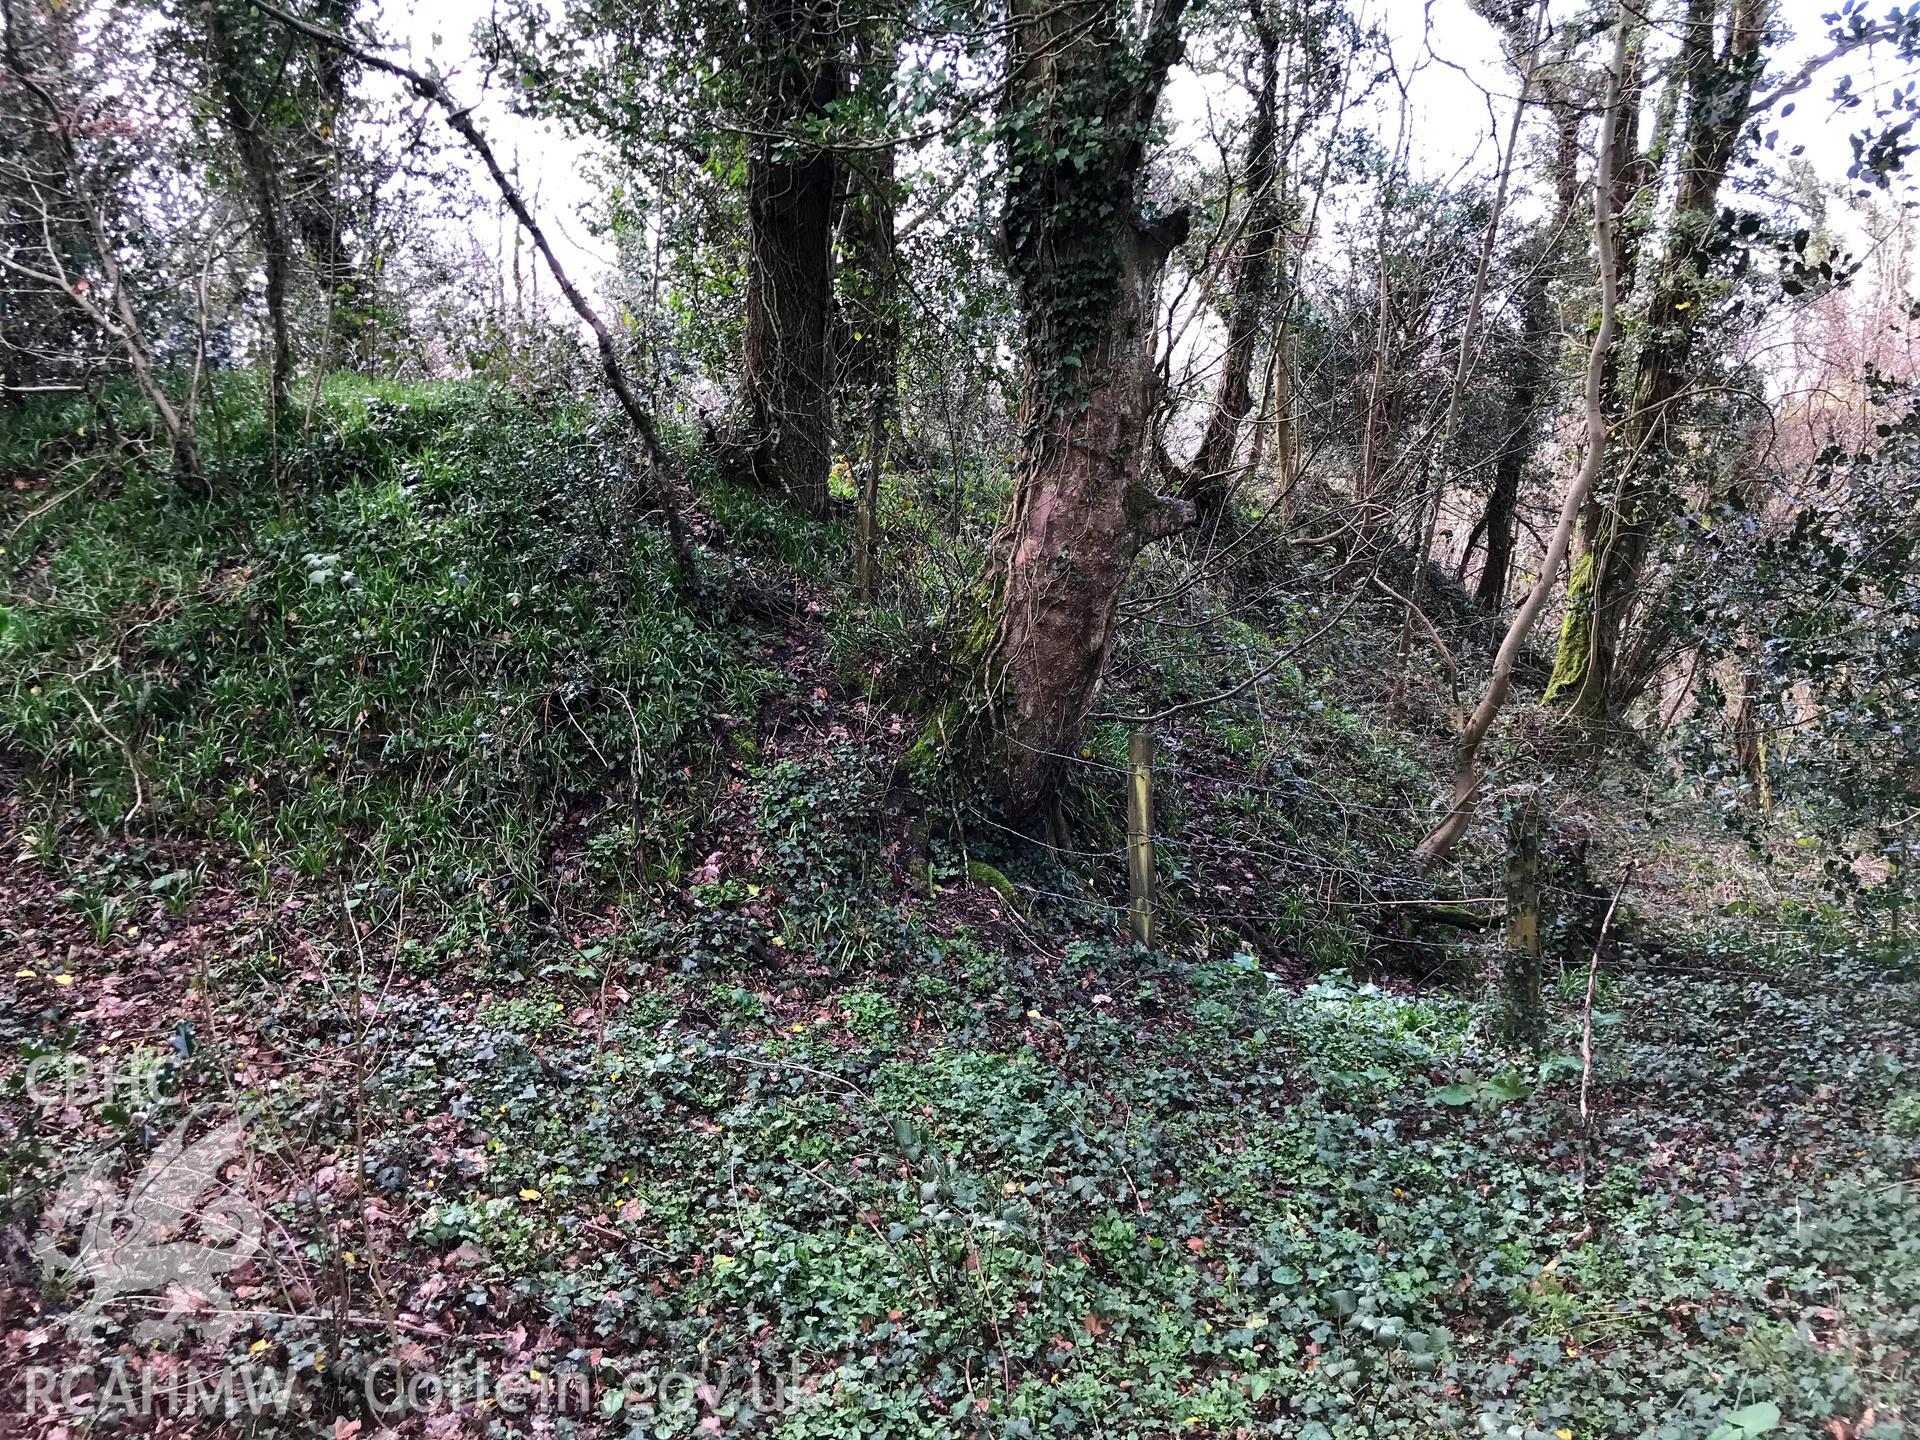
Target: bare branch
[[460, 119], [1467, 769]]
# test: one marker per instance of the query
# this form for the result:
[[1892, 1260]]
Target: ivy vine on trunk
[[1080, 99], [798, 74], [1618, 530], [247, 96]]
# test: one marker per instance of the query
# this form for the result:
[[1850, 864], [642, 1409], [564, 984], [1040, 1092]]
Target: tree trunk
[[1375, 508], [788, 361], [1080, 513], [1286, 444], [260, 166], [349, 299], [1467, 770], [1212, 478], [869, 368], [1519, 1015], [1749, 734], [1618, 536], [867, 317], [321, 213], [1080, 98], [1497, 520], [1533, 374]]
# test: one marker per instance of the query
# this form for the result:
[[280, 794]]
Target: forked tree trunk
[[1468, 772], [788, 359], [1618, 537], [1082, 94], [1081, 512]]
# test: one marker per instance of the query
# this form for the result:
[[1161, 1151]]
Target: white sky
[[1450, 53]]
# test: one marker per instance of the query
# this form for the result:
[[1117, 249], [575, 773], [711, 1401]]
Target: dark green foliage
[[612, 983], [683, 1045], [1075, 1206], [454, 636], [1081, 106], [1824, 614]]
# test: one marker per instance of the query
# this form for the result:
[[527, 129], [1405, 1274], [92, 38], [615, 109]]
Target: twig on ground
[[1586, 1020]]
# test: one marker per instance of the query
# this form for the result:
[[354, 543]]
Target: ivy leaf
[[1554, 1066], [1508, 1086], [1754, 1420]]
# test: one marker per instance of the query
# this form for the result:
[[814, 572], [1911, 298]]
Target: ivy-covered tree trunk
[[868, 288], [1618, 536], [869, 365], [1749, 732], [245, 99], [1211, 478], [323, 215], [1081, 95], [797, 50]]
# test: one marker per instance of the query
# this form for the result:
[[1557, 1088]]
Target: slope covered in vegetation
[[616, 1007]]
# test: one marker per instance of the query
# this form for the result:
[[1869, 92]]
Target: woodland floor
[[605, 1012]]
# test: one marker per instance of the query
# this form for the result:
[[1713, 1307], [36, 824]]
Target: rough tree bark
[[1519, 1016], [1211, 478], [788, 358], [321, 211], [1749, 734], [1617, 534], [1081, 94]]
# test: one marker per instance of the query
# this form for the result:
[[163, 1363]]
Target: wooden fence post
[[1140, 835], [1517, 985], [1897, 879]]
